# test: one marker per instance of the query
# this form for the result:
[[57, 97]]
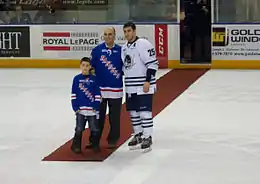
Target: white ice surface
[[209, 135], [35, 119]]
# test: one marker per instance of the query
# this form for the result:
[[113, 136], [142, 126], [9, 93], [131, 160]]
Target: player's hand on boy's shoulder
[[146, 87]]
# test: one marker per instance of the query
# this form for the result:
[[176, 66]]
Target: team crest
[[88, 81], [128, 62]]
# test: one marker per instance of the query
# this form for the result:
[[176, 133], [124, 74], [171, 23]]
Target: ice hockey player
[[140, 67], [85, 100], [106, 60]]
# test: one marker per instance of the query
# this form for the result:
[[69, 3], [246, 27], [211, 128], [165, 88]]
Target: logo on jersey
[[86, 81], [110, 66], [128, 62], [108, 51], [87, 92]]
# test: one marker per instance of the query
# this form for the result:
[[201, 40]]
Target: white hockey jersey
[[138, 57]]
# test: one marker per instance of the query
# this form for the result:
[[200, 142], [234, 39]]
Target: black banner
[[55, 4], [15, 41]]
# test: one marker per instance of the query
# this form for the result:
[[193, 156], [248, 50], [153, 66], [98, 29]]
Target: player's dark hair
[[129, 24], [85, 59]]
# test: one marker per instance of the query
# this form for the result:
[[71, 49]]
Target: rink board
[[62, 46]]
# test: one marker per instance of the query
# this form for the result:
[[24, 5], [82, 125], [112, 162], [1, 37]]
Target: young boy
[[85, 99]]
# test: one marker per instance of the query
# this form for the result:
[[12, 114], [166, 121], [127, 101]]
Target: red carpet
[[170, 87]]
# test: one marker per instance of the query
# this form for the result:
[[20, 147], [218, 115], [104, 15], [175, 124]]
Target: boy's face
[[85, 67]]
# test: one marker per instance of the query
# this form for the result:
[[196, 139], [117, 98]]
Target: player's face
[[85, 67], [109, 36], [129, 33]]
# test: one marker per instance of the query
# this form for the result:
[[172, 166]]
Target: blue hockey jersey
[[108, 67], [85, 94]]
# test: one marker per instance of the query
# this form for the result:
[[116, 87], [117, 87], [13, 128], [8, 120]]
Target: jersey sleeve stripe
[[73, 96], [139, 81], [140, 77], [151, 62], [136, 78], [141, 84]]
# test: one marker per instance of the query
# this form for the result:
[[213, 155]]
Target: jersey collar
[[130, 43], [111, 47]]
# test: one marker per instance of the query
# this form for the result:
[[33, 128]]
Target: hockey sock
[[147, 123], [136, 122]]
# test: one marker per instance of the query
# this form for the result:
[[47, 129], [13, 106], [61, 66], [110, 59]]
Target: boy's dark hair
[[129, 24], [85, 59]]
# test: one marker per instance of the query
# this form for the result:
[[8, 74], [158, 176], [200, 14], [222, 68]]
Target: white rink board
[[236, 42], [91, 35]]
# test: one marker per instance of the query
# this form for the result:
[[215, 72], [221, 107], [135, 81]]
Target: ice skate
[[146, 145], [135, 142]]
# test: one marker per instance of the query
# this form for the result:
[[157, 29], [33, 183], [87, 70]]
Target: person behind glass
[[201, 31], [107, 63], [85, 99], [20, 16]]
